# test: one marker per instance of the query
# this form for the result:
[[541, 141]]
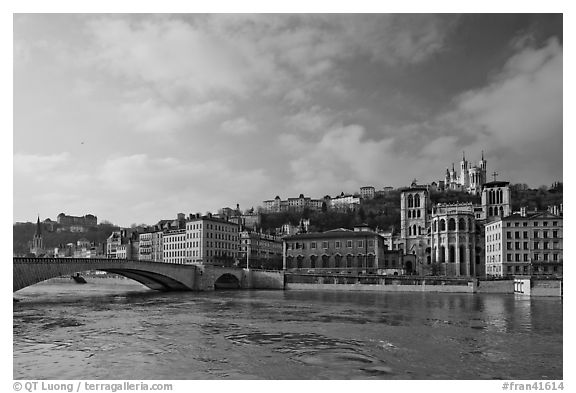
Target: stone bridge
[[154, 275]]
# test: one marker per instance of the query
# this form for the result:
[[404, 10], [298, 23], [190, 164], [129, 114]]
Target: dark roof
[[333, 234], [531, 216], [495, 184]]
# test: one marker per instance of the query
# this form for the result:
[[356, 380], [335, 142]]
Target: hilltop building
[[469, 179]]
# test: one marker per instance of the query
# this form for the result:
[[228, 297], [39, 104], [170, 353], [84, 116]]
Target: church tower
[[37, 243], [483, 169], [464, 178]]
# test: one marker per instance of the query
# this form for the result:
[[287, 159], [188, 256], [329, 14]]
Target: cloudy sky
[[135, 118]]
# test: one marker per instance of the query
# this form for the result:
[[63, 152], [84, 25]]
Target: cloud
[[155, 116], [242, 53], [314, 119], [35, 164], [239, 127], [518, 115]]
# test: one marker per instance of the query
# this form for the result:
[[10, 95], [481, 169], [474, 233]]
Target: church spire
[[482, 155], [38, 228], [463, 156]]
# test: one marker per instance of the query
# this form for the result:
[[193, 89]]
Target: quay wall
[[504, 286], [260, 279], [383, 288]]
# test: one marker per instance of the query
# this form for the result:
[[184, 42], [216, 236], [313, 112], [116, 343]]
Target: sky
[[137, 117]]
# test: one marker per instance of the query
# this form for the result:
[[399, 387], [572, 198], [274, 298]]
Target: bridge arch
[[154, 275], [227, 281]]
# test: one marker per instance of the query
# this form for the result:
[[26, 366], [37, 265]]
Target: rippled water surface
[[117, 329]]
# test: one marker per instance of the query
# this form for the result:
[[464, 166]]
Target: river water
[[118, 329]]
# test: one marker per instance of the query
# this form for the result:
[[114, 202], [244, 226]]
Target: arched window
[[500, 196], [290, 262], [462, 254], [349, 259], [325, 261], [461, 224], [451, 224], [338, 261], [451, 254], [434, 255], [470, 226], [442, 225], [409, 213], [434, 226], [418, 213], [360, 261], [409, 231], [490, 212], [419, 230], [299, 260], [410, 201], [313, 259], [417, 200], [442, 255], [501, 211], [371, 263], [414, 230]]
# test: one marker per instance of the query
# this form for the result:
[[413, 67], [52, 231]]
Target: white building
[[174, 245], [524, 244], [211, 240]]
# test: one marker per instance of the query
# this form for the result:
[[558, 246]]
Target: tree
[[324, 207]]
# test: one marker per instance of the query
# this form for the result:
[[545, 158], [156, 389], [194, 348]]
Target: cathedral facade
[[469, 179]]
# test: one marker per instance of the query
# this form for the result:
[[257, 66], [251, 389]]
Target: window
[[545, 257], [525, 234], [360, 243], [525, 245], [554, 257], [517, 245], [536, 257], [516, 235], [517, 257], [442, 225], [545, 234], [545, 223], [508, 235], [509, 257], [312, 245], [516, 269], [451, 224], [554, 234], [370, 243], [324, 244], [525, 257], [536, 234], [554, 223], [349, 243], [508, 245], [525, 224], [338, 243]]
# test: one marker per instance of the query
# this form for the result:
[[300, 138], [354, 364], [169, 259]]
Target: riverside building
[[525, 244]]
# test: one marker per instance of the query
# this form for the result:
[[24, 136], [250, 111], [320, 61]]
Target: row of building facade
[[454, 240]]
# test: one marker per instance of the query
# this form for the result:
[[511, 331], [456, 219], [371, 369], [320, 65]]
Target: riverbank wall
[[522, 286]]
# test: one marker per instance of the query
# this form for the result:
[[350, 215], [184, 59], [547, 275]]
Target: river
[[118, 329]]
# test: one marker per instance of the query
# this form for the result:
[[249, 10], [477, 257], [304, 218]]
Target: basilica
[[470, 179]]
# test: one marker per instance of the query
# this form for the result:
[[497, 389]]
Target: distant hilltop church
[[470, 179]]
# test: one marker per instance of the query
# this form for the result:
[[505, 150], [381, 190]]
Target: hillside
[[23, 234], [383, 211]]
